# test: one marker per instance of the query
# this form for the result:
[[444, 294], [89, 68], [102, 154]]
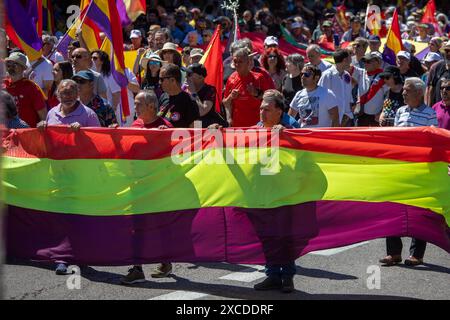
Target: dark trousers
[[281, 270], [394, 246], [367, 120]]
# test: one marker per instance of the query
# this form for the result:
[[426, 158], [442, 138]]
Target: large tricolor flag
[[106, 17], [393, 41], [130, 10], [22, 25], [89, 31], [120, 197], [212, 60]]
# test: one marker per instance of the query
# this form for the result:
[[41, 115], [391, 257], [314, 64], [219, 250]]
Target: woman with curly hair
[[273, 61]]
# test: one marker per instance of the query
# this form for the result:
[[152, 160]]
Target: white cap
[[270, 41], [135, 34], [404, 54], [296, 25], [432, 56]]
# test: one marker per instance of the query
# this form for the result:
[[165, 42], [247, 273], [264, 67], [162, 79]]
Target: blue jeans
[[281, 270]]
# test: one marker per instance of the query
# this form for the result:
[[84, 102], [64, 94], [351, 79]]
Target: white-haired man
[[414, 114]]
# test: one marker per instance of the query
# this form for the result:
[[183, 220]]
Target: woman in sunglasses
[[393, 99], [151, 63], [274, 63]]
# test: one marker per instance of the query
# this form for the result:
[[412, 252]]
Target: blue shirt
[[418, 117], [286, 121]]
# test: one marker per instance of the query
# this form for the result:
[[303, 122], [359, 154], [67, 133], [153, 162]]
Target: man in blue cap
[[374, 43], [105, 113]]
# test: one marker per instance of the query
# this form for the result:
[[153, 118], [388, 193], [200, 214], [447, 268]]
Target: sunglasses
[[153, 63], [306, 74], [78, 56], [81, 81], [273, 57], [445, 88]]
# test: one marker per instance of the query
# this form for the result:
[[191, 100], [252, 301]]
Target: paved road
[[331, 274]]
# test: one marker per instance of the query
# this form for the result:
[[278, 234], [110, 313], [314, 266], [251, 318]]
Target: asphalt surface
[[332, 274]]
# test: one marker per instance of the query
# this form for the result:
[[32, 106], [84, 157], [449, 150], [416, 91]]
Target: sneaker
[[134, 276], [61, 269], [287, 285], [162, 271], [270, 283]]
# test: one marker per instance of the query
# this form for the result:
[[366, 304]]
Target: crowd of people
[[167, 88]]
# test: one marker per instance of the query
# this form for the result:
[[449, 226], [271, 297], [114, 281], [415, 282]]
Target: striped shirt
[[416, 117]]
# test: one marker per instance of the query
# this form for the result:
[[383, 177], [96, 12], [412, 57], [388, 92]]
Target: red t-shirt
[[29, 99], [138, 123], [245, 108]]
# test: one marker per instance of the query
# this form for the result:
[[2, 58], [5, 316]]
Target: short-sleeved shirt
[[313, 107], [415, 117], [392, 102], [291, 86], [85, 116], [443, 115], [139, 123], [29, 99], [245, 108], [42, 72], [180, 110], [104, 111], [17, 123], [438, 72]]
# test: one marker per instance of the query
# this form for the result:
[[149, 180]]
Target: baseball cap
[[404, 54], [407, 45], [432, 56], [374, 38], [18, 58], [372, 55], [135, 34], [355, 19], [327, 23], [195, 52], [390, 70], [149, 56], [296, 25], [196, 68], [270, 41], [84, 74]]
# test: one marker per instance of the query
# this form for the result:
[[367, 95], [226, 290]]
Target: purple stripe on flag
[[63, 45], [23, 20], [125, 20], [97, 15], [422, 54], [389, 56], [231, 234]]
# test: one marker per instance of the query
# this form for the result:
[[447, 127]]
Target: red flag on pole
[[212, 60]]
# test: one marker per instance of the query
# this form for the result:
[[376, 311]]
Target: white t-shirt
[[43, 72], [341, 86], [111, 87], [324, 65], [313, 107], [129, 120]]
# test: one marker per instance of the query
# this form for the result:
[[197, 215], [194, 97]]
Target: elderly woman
[[292, 82]]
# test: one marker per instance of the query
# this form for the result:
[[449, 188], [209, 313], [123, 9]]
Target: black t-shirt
[[290, 87], [392, 102], [208, 93], [438, 72], [180, 110]]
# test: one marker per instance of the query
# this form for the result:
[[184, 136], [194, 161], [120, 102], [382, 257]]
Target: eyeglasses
[[306, 74], [78, 56], [445, 88], [81, 81], [273, 57]]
